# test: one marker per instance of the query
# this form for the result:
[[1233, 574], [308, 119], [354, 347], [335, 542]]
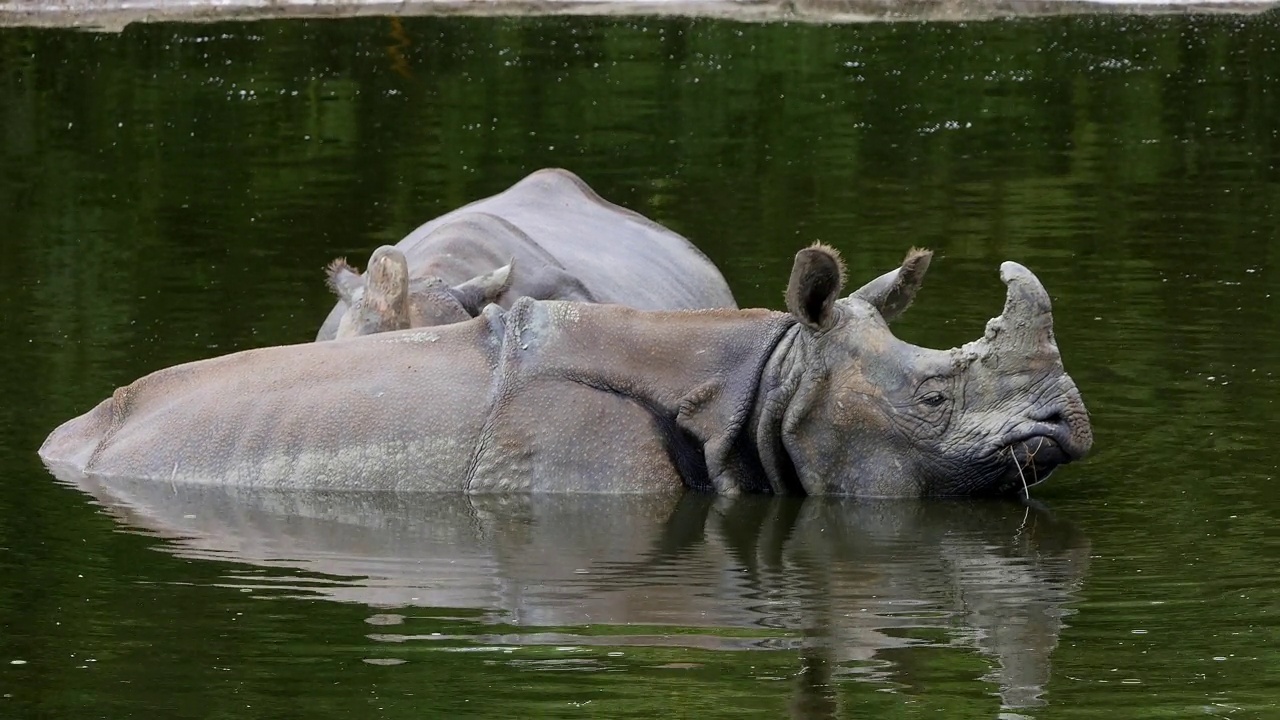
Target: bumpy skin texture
[[566, 243], [571, 397]]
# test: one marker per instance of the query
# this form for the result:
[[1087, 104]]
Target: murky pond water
[[172, 192]]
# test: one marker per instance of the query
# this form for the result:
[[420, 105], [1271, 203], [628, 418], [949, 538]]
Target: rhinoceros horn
[[1025, 327]]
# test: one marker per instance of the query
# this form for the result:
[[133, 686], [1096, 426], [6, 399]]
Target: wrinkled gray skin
[[385, 299], [566, 243], [574, 397]]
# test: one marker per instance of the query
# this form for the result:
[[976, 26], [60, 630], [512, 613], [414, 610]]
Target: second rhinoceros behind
[[549, 237], [572, 397]]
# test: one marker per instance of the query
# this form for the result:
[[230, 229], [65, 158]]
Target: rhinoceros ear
[[816, 280], [343, 280], [479, 291], [892, 292]]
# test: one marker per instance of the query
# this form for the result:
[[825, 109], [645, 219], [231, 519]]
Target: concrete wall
[[115, 14]]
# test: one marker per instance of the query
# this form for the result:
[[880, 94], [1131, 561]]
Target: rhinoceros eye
[[933, 399]]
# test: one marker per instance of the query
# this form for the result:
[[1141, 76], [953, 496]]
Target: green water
[[173, 192]]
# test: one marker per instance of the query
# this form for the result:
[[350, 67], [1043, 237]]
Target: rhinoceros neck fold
[[696, 374], [778, 385]]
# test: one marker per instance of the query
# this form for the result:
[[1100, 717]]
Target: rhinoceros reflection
[[849, 582]]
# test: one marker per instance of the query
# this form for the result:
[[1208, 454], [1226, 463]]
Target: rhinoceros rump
[[573, 397], [562, 241]]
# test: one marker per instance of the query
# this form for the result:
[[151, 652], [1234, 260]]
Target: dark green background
[[172, 192]]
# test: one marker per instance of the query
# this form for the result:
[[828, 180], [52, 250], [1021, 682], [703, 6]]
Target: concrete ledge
[[113, 15]]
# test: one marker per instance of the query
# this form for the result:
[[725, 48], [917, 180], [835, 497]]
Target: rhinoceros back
[[385, 412], [620, 256]]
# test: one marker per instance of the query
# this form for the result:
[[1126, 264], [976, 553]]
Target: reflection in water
[[396, 50], [850, 587]]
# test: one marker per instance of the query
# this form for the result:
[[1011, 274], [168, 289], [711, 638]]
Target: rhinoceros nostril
[[1050, 416]]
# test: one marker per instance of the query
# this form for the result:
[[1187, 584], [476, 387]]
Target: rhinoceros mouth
[[1031, 460]]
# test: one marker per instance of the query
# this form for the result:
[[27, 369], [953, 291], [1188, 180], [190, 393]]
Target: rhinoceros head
[[379, 300], [385, 298], [873, 415], [435, 302]]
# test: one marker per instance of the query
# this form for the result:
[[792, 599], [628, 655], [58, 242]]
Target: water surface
[[172, 192]]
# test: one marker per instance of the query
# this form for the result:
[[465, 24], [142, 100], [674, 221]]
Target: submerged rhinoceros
[[573, 397], [566, 243], [385, 298]]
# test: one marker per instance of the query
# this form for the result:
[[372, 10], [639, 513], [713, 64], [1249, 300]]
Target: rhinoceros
[[554, 396], [566, 243]]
